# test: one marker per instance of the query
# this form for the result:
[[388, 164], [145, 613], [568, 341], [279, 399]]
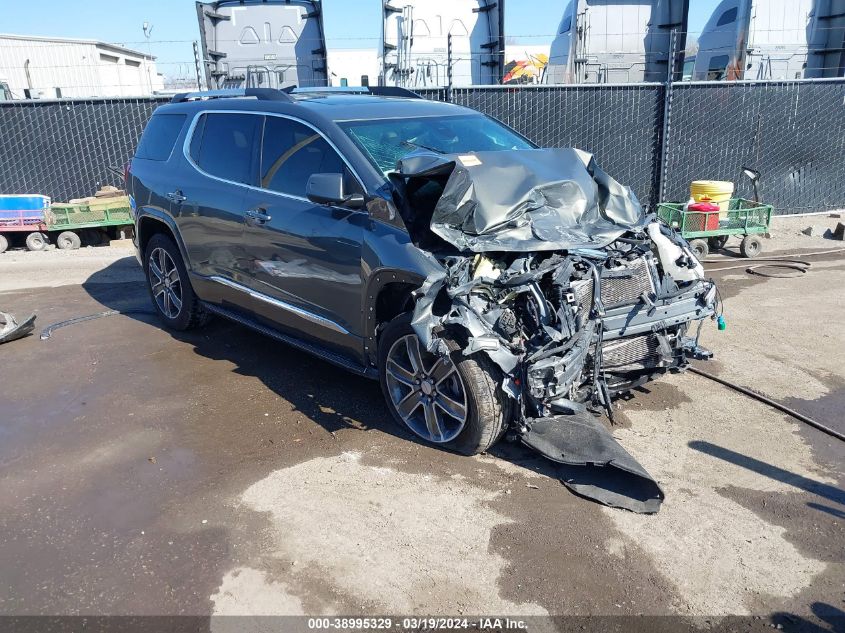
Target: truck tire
[[4, 244], [36, 241], [68, 241], [170, 288], [455, 403]]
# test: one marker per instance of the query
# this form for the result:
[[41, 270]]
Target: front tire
[[455, 402], [170, 289]]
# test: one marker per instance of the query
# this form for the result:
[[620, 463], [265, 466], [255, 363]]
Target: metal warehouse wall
[[793, 132]]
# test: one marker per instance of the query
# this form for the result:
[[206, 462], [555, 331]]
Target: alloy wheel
[[165, 283], [426, 391]]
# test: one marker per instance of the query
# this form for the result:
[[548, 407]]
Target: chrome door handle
[[176, 197], [257, 216]]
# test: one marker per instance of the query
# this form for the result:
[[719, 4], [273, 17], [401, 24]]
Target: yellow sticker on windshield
[[469, 160]]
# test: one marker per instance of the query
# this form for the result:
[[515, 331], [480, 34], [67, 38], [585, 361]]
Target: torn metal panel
[[11, 330], [618, 480], [526, 200], [564, 282]]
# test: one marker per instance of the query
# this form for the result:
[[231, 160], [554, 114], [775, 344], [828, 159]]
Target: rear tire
[[4, 244], [488, 408], [36, 241], [68, 241], [717, 243], [700, 249], [170, 289], [751, 246]]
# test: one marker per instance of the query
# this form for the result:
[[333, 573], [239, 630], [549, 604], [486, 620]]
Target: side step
[[596, 465], [315, 350]]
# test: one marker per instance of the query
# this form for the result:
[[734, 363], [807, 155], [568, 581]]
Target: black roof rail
[[377, 91], [393, 91], [262, 94]]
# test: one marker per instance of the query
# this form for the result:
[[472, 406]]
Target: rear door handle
[[176, 197], [257, 216]]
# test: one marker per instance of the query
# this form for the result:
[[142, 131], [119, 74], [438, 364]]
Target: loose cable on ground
[[775, 405]]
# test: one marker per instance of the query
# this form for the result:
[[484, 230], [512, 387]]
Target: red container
[[704, 216]]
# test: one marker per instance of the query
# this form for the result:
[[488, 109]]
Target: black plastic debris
[[597, 466]]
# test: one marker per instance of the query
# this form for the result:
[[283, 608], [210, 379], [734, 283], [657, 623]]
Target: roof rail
[[262, 94], [377, 91], [393, 91]]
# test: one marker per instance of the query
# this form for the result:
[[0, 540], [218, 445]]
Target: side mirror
[[328, 189]]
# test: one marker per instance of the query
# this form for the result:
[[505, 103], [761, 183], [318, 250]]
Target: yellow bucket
[[718, 192]]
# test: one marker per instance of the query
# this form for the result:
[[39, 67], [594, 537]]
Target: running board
[[595, 465], [315, 350]]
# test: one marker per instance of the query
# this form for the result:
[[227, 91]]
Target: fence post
[[667, 115], [197, 65], [449, 68]]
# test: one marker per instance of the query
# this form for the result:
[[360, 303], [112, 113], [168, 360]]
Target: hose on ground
[[778, 261], [775, 405]]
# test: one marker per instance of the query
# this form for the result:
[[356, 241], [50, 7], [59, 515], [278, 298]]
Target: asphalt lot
[[144, 472]]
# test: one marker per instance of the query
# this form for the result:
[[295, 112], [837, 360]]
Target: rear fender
[[149, 221]]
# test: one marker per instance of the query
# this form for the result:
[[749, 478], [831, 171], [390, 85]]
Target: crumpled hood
[[526, 200]]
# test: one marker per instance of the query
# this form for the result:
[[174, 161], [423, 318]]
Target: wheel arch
[[149, 223], [390, 292]]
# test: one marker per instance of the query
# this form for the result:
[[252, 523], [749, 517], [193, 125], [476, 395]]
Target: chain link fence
[[792, 132], [64, 149]]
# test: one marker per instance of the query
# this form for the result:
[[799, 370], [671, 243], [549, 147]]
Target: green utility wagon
[[710, 230], [90, 221]]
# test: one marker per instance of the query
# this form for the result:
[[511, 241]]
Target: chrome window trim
[[186, 151], [305, 314]]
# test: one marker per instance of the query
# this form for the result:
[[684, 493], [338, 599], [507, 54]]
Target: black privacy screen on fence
[[64, 149], [792, 132]]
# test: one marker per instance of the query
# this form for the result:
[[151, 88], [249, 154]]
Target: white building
[[60, 67]]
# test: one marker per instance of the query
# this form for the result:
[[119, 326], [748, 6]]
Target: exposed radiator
[[626, 285], [643, 351]]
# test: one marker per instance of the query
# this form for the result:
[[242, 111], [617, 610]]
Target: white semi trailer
[[263, 43], [610, 41], [416, 50], [772, 39]]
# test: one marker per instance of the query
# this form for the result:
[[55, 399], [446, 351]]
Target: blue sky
[[348, 23]]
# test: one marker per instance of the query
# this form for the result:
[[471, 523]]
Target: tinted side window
[[228, 146], [160, 136], [291, 152], [727, 17]]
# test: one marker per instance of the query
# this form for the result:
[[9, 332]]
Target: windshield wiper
[[421, 146]]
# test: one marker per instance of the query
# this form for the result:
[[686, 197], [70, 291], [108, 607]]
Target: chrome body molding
[[282, 305]]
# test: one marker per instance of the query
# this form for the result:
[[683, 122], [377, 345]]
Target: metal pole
[[449, 68], [667, 116], [197, 65]]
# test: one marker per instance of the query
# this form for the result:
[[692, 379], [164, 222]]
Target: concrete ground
[[216, 472]]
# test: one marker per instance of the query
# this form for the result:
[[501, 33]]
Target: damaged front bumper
[[569, 332], [571, 324]]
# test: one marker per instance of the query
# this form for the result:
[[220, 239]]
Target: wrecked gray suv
[[491, 286]]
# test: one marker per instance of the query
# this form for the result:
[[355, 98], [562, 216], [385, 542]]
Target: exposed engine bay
[[553, 270]]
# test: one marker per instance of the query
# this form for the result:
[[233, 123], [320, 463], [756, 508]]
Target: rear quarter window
[[160, 136]]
